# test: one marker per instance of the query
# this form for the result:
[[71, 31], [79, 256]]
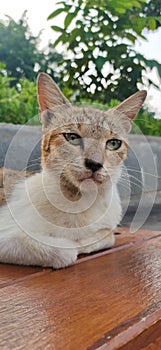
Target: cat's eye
[[113, 144], [74, 139]]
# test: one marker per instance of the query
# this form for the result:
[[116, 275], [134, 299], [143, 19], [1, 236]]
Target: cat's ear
[[131, 106], [49, 94]]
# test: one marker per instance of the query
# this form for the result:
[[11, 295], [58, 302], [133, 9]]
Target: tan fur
[[95, 127], [69, 208]]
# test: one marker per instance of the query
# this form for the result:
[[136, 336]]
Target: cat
[[73, 205]]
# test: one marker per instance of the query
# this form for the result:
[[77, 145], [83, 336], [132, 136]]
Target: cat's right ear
[[49, 94], [131, 106]]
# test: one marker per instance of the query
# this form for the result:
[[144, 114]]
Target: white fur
[[34, 232]]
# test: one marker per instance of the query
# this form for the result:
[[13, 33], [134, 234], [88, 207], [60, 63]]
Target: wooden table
[[109, 300]]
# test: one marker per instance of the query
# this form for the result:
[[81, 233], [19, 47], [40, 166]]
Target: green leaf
[[69, 18], [100, 61], [75, 32], [55, 13], [152, 23], [57, 41], [61, 38], [131, 37], [154, 64], [151, 63], [57, 29], [138, 24], [153, 84], [158, 18], [158, 66]]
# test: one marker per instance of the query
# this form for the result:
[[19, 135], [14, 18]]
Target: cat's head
[[83, 143]]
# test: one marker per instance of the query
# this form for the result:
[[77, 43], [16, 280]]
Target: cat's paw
[[65, 258]]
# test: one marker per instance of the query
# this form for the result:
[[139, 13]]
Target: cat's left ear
[[49, 94], [131, 106]]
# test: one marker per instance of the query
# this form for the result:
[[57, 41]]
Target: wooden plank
[[150, 339], [123, 235], [11, 273], [87, 306], [132, 329], [124, 240]]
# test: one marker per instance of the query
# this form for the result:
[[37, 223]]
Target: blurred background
[[98, 51]]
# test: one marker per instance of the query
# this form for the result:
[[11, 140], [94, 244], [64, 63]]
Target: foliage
[[99, 37], [146, 124], [19, 51], [17, 107]]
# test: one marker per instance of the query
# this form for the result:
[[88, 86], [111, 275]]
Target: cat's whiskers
[[130, 176], [131, 180], [123, 182], [141, 171]]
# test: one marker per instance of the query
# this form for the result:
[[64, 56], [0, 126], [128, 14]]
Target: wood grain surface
[[109, 300], [150, 339]]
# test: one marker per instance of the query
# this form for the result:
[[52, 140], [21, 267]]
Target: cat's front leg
[[103, 239], [43, 251]]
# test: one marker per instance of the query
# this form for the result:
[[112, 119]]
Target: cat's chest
[[75, 220], [52, 217]]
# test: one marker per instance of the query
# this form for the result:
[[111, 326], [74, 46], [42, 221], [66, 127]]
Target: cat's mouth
[[92, 178]]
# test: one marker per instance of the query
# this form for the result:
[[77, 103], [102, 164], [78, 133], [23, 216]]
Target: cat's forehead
[[89, 122]]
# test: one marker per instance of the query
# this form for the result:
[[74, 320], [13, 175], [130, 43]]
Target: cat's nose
[[92, 165]]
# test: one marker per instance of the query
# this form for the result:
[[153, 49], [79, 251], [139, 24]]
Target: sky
[[38, 11]]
